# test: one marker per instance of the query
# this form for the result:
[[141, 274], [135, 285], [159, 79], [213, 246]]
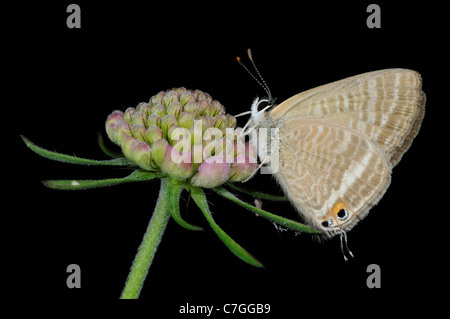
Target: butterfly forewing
[[386, 105]]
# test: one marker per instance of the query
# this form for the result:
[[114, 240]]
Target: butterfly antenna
[[265, 86], [261, 83]]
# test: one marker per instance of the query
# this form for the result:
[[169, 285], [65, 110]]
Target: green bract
[[186, 139]]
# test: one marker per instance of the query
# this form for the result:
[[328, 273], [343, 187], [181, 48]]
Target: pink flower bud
[[137, 151], [121, 127], [111, 121], [177, 164], [241, 169], [211, 173]]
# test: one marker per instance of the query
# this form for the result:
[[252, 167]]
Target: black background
[[64, 83]]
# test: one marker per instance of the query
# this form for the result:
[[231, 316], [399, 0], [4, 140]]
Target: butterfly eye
[[327, 223], [342, 214], [262, 104]]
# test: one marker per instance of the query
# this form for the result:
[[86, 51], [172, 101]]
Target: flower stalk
[[149, 245]]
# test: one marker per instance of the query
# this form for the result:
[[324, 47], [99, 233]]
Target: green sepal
[[106, 150], [174, 191], [74, 184], [273, 218], [260, 195], [73, 159], [199, 197]]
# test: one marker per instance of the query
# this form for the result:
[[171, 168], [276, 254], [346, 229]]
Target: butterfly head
[[259, 108]]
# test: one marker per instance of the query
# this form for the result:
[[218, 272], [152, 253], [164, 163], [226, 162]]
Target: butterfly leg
[[344, 246], [265, 161]]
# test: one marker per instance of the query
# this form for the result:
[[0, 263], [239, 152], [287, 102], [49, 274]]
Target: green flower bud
[[159, 150], [128, 115], [186, 97], [218, 108], [174, 108], [167, 121], [146, 110], [186, 119], [207, 122], [203, 104], [221, 121], [169, 97], [157, 99], [153, 133], [202, 96], [138, 131], [192, 107], [138, 118], [159, 110], [153, 119]]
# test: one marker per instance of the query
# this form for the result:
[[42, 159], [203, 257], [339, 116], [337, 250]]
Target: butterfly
[[338, 143]]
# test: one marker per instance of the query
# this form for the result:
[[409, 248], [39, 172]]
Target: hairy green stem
[[149, 245]]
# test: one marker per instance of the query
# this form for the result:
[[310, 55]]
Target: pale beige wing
[[332, 175], [387, 105]]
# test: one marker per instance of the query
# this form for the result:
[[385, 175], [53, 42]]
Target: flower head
[[185, 134]]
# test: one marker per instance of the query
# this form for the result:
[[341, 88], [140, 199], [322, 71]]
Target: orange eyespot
[[340, 211]]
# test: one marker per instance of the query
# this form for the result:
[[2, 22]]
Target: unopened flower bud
[[174, 108], [203, 104], [186, 119], [153, 133], [177, 164], [157, 99], [167, 121], [159, 150], [111, 121], [241, 169], [138, 131], [192, 107], [211, 173], [153, 119], [169, 97], [221, 121], [128, 115], [159, 110], [186, 97], [138, 118], [231, 121], [121, 127]]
